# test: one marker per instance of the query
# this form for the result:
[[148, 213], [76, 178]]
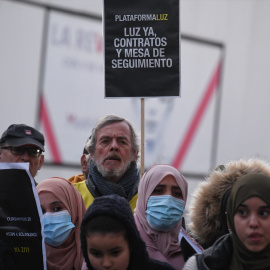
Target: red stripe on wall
[[49, 134], [193, 127]]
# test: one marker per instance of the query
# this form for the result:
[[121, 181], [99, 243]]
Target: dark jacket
[[216, 257], [118, 207]]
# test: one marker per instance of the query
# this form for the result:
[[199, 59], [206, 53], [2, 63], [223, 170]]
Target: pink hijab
[[163, 246], [68, 256]]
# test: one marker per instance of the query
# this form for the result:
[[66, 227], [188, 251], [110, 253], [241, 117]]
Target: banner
[[20, 214], [142, 48], [177, 130]]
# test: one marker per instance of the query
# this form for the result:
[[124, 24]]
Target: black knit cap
[[19, 134]]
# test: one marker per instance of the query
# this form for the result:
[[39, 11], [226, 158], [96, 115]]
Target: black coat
[[218, 256]]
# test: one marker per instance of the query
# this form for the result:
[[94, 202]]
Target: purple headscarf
[[160, 245]]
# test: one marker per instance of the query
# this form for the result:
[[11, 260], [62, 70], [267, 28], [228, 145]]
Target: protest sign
[[141, 48], [20, 214]]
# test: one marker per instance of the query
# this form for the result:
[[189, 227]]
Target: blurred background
[[51, 70]]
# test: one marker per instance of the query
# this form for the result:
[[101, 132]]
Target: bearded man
[[113, 147]]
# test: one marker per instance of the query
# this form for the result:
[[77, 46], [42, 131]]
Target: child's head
[[107, 243], [108, 227]]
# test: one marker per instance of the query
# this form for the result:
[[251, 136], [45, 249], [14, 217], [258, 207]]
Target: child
[[110, 239]]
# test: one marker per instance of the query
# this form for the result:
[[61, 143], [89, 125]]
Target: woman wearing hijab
[[207, 208], [162, 195], [63, 209], [248, 216]]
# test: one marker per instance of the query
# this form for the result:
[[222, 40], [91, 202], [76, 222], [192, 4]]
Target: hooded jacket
[[207, 224], [118, 207], [217, 256], [233, 251]]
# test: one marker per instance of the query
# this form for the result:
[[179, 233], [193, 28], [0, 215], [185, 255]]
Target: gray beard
[[113, 175]]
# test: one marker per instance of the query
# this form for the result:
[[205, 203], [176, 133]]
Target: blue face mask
[[57, 227], [164, 212]]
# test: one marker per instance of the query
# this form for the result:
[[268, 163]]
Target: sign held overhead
[[141, 48]]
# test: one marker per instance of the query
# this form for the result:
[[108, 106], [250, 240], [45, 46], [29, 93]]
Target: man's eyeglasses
[[19, 151]]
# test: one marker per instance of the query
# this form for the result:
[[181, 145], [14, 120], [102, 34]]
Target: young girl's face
[[108, 251], [252, 224]]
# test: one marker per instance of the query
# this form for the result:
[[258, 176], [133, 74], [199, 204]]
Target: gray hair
[[108, 120]]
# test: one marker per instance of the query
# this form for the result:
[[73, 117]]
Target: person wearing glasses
[[22, 143]]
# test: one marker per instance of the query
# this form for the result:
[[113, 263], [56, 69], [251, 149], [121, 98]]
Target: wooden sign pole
[[142, 136]]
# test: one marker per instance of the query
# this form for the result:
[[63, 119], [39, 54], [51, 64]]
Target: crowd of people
[[108, 217]]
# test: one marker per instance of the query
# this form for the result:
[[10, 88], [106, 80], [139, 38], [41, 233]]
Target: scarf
[[251, 185], [160, 245], [126, 187], [68, 256]]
